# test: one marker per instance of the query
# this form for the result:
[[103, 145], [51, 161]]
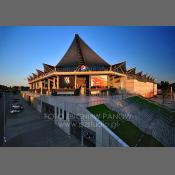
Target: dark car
[[16, 100]]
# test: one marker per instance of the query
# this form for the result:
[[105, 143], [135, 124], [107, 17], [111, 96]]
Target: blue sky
[[24, 49]]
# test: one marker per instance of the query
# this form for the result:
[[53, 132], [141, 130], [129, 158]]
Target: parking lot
[[29, 128]]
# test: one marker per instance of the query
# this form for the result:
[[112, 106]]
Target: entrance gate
[[83, 84]]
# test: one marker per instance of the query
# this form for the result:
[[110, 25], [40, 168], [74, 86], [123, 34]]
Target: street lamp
[[171, 90], [4, 138]]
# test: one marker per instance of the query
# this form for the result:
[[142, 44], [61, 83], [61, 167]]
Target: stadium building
[[82, 71]]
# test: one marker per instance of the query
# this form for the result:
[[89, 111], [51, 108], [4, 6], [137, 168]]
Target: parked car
[[54, 93], [16, 100], [13, 111], [17, 106]]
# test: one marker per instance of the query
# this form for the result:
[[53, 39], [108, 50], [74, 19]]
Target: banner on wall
[[99, 80], [67, 81]]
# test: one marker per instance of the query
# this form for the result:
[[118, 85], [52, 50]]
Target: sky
[[23, 49]]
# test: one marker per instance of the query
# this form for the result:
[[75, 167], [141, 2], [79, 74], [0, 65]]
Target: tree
[[164, 85], [15, 89], [173, 86]]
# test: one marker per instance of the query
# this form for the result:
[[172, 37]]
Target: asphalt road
[[29, 129], [4, 98]]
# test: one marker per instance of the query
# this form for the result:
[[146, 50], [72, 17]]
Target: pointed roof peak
[[77, 36], [79, 53]]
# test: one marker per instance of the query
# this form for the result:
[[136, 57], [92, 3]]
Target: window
[[57, 111], [60, 113], [64, 115]]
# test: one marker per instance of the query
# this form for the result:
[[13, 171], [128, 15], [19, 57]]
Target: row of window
[[62, 114], [72, 68]]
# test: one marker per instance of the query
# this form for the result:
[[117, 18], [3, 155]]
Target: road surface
[[29, 128]]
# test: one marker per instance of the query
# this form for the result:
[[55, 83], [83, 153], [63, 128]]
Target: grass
[[153, 106], [127, 131]]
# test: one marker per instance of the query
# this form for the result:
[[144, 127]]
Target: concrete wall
[[119, 83], [155, 89], [130, 86], [145, 89], [103, 135], [61, 122], [59, 119], [133, 86]]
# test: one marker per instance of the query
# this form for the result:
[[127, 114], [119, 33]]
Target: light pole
[[4, 138], [171, 90]]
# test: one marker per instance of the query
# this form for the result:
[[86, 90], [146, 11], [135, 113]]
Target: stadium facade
[[82, 71]]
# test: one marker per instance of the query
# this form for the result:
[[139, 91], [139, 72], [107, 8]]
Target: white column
[[48, 86], [53, 82], [89, 81], [57, 82], [75, 81], [108, 85], [41, 87], [35, 87]]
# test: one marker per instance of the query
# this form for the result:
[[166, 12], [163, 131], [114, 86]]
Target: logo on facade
[[67, 80], [82, 68]]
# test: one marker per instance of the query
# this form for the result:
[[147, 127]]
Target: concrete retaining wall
[[145, 89], [104, 136]]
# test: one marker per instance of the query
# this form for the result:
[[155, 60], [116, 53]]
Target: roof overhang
[[55, 73]]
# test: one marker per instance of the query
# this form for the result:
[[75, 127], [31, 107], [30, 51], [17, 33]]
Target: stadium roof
[[48, 68], [139, 74], [39, 72], [120, 67], [131, 71], [79, 53], [34, 75]]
